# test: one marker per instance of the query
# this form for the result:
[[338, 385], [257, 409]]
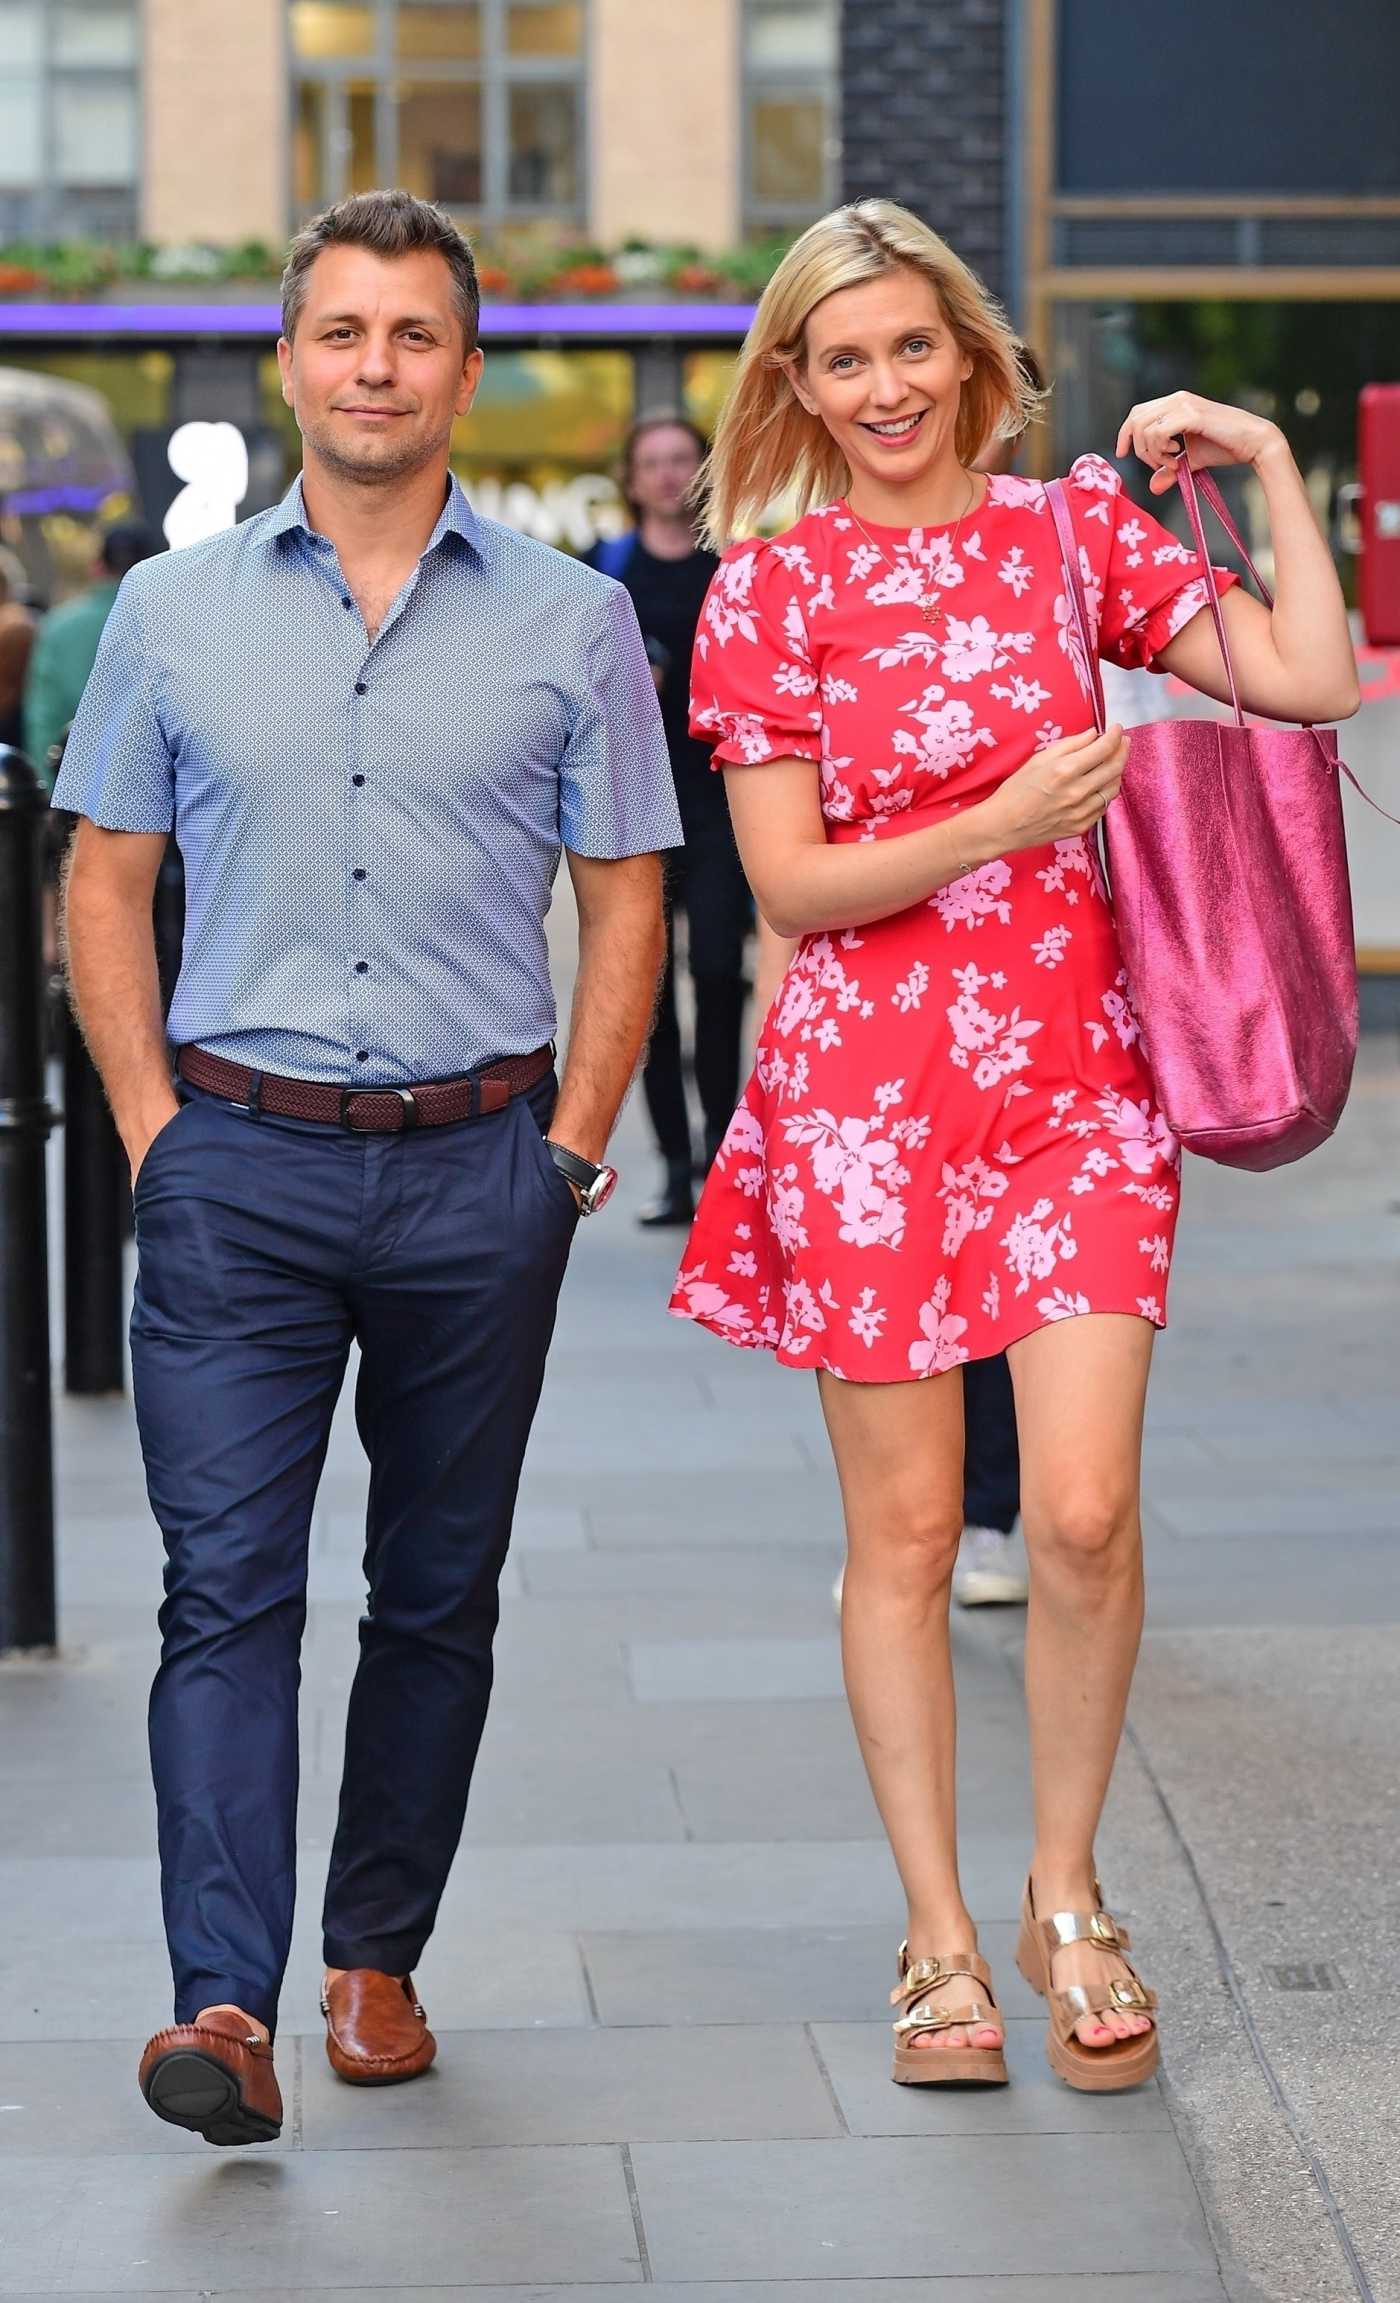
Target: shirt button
[[361, 688], [363, 1056], [362, 967], [346, 601], [359, 875], [357, 779]]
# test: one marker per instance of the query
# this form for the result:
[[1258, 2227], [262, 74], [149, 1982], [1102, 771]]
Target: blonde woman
[[950, 1144]]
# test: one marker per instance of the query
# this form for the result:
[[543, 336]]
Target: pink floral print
[[950, 1137]]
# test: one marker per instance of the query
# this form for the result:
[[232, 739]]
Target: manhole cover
[[1306, 1975]]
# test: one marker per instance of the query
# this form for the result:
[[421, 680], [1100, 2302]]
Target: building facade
[[199, 121]]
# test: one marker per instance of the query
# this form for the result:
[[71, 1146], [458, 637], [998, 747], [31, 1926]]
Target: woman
[[950, 1144]]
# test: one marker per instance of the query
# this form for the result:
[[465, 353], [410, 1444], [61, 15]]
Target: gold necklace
[[931, 604]]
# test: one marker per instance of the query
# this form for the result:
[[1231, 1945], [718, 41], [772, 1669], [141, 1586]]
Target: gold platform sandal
[[942, 2066], [1093, 2070]]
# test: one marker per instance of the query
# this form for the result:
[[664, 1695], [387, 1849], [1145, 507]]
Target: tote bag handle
[[1189, 483]]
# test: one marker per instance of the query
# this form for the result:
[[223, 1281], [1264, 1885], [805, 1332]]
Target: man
[[375, 716], [66, 647], [667, 574]]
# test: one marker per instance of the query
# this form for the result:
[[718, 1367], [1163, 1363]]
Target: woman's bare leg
[[1080, 1393], [899, 1457]]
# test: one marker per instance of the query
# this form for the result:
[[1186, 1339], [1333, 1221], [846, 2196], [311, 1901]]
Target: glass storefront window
[[363, 171], [440, 142], [94, 127], [21, 32], [791, 67], [554, 28], [19, 129], [308, 134], [135, 385], [544, 140], [789, 150], [95, 32], [450, 33], [706, 378], [477, 104], [324, 29], [791, 39]]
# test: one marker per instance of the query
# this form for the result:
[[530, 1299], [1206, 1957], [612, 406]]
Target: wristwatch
[[595, 1185]]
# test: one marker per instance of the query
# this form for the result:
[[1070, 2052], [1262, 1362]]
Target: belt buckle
[[406, 1098]]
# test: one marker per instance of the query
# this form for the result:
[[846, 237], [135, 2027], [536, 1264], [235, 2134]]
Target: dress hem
[[804, 1361]]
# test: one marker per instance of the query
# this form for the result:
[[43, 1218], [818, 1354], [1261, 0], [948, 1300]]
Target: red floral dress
[[950, 1136]]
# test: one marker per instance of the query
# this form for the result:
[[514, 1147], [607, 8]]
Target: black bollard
[[27, 1610], [95, 1206]]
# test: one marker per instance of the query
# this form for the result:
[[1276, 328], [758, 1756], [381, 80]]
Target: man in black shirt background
[[667, 574]]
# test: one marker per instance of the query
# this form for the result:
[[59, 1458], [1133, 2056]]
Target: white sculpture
[[212, 460]]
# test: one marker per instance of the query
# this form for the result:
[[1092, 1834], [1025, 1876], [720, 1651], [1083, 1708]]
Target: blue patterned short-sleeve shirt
[[370, 834]]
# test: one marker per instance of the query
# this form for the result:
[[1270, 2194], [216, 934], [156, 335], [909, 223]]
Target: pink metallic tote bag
[[1228, 868]]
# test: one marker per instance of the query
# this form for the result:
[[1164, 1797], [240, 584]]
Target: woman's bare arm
[[803, 886]]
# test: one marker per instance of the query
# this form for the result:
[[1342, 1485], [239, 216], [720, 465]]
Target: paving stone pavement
[[659, 1979]]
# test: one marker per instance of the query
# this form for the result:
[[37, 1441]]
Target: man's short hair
[[390, 223], [124, 545]]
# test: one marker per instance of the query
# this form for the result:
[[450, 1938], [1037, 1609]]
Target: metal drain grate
[[1306, 1975]]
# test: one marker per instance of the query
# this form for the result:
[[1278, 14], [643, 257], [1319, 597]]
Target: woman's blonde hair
[[767, 445]]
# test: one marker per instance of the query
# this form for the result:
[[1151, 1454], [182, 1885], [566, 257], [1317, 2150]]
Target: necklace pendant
[[931, 608]]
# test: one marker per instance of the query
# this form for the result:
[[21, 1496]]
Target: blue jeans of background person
[[992, 1458], [266, 1246]]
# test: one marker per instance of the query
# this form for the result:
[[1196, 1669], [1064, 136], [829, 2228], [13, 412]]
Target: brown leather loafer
[[215, 2078], [376, 2032]]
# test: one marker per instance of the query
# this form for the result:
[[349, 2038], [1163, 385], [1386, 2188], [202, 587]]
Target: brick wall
[[923, 117]]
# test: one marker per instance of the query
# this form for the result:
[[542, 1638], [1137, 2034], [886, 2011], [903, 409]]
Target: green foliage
[[529, 258]]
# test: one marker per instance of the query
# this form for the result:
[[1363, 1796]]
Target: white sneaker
[[991, 1569]]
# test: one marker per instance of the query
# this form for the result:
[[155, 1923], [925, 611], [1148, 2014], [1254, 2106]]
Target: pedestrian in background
[[950, 1145], [667, 571], [373, 717], [16, 645], [66, 648]]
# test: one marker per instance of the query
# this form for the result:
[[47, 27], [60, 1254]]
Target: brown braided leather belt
[[367, 1111]]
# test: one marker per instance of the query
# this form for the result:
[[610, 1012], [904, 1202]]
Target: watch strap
[[573, 1165]]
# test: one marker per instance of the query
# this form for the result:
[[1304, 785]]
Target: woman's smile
[[894, 431]]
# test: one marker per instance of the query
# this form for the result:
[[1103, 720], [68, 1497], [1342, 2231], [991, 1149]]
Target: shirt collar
[[456, 518]]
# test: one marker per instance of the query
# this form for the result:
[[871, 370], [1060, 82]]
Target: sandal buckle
[[1103, 1929], [1128, 1991]]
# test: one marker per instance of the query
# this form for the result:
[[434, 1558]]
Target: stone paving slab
[[1035, 2102], [668, 2083], [310, 2218], [530, 1977], [1028, 2203], [763, 1975]]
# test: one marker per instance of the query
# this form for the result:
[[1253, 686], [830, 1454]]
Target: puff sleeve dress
[[950, 1136]]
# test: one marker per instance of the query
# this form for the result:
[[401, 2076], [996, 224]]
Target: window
[[69, 119], [476, 104], [791, 143]]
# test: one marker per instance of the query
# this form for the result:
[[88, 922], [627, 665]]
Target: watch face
[[601, 1189]]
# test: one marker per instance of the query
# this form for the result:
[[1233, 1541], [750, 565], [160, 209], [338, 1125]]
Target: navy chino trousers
[[266, 1246]]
